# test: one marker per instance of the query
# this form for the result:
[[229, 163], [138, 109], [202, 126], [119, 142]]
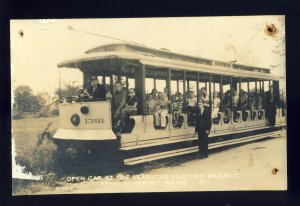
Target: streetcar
[[88, 123]]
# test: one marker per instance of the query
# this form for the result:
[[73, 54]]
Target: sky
[[46, 43]]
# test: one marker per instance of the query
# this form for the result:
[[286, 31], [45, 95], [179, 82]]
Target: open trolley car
[[144, 68]]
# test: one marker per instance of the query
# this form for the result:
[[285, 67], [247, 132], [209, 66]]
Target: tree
[[69, 89], [24, 100]]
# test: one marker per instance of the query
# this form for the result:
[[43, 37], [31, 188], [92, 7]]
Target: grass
[[36, 160], [25, 132]]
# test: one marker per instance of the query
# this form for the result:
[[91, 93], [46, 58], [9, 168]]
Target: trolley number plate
[[94, 121]]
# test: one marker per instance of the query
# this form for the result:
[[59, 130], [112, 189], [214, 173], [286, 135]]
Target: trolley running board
[[194, 149], [160, 155], [245, 139]]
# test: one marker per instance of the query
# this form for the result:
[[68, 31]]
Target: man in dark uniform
[[118, 101], [97, 90], [270, 106], [203, 126]]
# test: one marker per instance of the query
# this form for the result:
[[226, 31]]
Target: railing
[[235, 119]]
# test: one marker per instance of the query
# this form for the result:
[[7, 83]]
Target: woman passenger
[[151, 104]]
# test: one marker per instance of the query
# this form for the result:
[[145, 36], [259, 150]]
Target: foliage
[[17, 114], [26, 104], [69, 89], [41, 160], [25, 101]]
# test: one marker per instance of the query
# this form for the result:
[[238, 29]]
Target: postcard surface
[[148, 105]]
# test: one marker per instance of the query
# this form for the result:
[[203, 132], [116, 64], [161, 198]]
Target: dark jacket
[[269, 101], [98, 93], [203, 122]]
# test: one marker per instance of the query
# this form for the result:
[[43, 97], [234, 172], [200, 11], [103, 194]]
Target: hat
[[94, 78]]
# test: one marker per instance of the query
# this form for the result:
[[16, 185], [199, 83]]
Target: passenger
[[191, 107], [107, 92], [174, 103], [252, 105], [235, 101], [259, 101], [154, 94], [216, 104], [192, 100], [162, 106], [259, 105], [130, 108], [173, 108], [118, 101], [244, 104], [96, 90], [177, 94], [244, 100], [226, 104], [82, 95], [252, 101], [166, 91], [205, 97], [180, 108], [151, 105], [180, 102]]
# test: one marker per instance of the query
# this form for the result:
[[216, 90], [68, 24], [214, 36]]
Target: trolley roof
[[163, 58]]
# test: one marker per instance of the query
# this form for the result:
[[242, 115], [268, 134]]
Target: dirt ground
[[253, 166]]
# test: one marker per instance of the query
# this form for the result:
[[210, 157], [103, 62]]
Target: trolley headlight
[[75, 119], [84, 110]]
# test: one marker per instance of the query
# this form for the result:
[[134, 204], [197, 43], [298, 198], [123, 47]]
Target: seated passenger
[[192, 100], [259, 106], [130, 108], [151, 104], [244, 100], [154, 94], [173, 103], [244, 104], [191, 106], [162, 110], [166, 90], [235, 101], [252, 105], [226, 105], [96, 90], [216, 105], [179, 109], [180, 102], [107, 92], [259, 101], [205, 97], [173, 108], [82, 95]]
